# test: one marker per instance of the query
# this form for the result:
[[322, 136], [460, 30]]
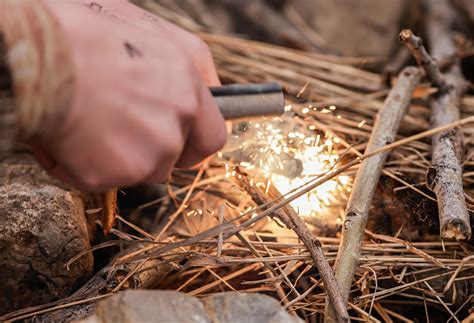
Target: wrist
[[40, 67]]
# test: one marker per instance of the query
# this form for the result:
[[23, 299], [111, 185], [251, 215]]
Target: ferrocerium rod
[[240, 101]]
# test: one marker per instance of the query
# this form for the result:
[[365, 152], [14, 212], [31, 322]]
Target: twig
[[375, 290], [442, 302], [219, 239], [294, 222], [145, 274], [106, 276], [382, 313], [232, 229], [456, 273], [272, 273], [367, 317], [384, 132], [444, 177], [226, 278], [62, 306], [429, 64], [387, 292], [398, 316], [409, 246]]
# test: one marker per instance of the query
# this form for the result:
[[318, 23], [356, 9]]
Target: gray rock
[[246, 308], [142, 306], [42, 226]]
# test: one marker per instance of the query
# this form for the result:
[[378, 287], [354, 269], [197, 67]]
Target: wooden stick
[[416, 48], [293, 221], [444, 177], [106, 276], [384, 132], [230, 229]]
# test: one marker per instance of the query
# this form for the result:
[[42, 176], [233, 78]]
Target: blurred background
[[350, 28]]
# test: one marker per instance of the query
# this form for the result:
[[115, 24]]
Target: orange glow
[[283, 143]]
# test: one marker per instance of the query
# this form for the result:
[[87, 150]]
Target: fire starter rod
[[238, 101]]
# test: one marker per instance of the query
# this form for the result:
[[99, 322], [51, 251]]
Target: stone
[[42, 226], [249, 308], [149, 306], [169, 307]]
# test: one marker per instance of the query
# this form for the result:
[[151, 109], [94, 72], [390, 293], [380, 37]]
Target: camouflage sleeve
[[36, 72]]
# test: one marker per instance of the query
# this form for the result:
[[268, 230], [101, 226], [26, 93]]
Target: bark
[[445, 175]]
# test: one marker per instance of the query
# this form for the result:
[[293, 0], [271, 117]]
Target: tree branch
[[384, 132], [293, 221], [444, 177], [429, 64]]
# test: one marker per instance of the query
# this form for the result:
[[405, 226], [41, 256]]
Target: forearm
[[37, 70]]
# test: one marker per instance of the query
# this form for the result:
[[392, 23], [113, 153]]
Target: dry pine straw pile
[[425, 274], [195, 250]]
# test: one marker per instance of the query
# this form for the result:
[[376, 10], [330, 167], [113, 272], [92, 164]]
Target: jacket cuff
[[40, 65]]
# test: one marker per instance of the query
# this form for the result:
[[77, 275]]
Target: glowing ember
[[289, 155]]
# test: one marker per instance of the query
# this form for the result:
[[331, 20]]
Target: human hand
[[141, 103]]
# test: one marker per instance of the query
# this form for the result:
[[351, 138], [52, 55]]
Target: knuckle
[[198, 54], [171, 150], [189, 105], [200, 48]]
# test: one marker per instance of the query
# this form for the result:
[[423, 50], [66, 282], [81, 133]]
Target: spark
[[283, 146], [362, 123]]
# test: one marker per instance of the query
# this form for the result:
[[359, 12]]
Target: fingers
[[208, 132], [53, 168], [202, 58], [151, 112]]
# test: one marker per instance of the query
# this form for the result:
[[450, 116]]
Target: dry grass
[[210, 240]]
